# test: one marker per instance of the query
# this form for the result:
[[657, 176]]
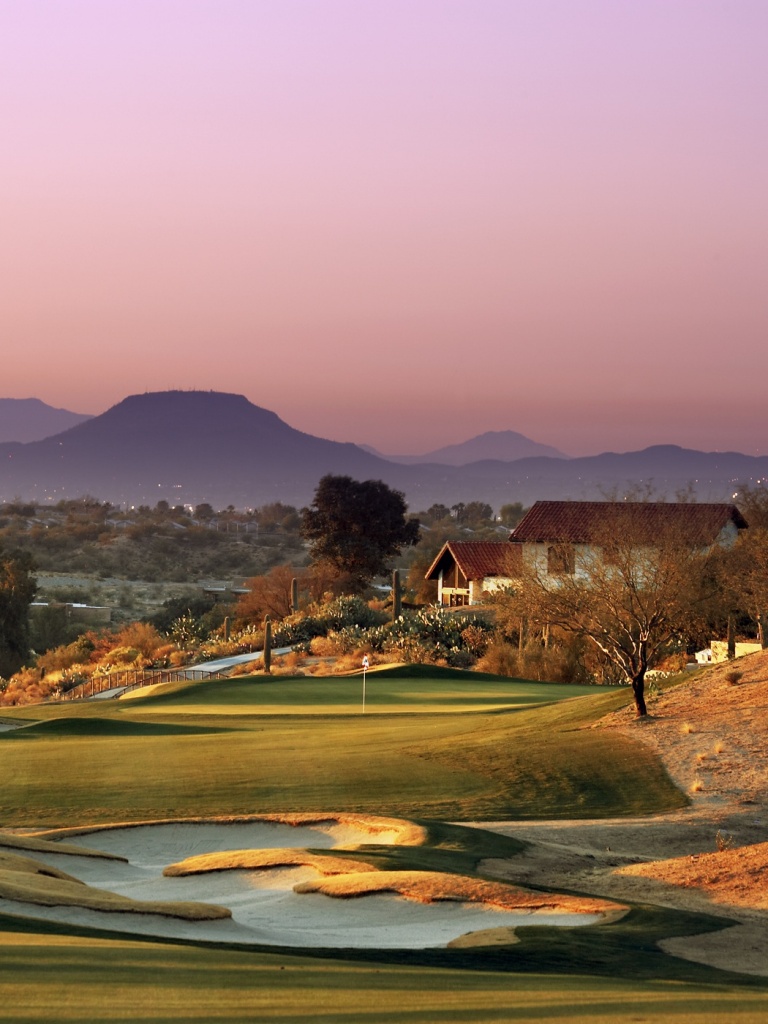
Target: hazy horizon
[[387, 453], [399, 224]]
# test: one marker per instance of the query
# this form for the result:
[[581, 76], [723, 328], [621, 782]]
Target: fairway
[[192, 750], [68, 979]]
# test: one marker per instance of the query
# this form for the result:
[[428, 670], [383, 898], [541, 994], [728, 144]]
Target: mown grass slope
[[63, 975], [190, 752]]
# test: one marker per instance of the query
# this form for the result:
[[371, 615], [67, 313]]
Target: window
[[561, 560]]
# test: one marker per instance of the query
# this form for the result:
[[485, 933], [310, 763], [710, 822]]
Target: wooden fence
[[129, 679]]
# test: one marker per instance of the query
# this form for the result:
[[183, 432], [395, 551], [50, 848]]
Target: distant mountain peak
[[497, 445], [30, 419]]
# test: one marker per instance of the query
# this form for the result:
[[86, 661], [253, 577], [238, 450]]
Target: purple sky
[[398, 222]]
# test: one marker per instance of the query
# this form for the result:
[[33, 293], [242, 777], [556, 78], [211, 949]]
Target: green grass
[[57, 976], [189, 753], [194, 751], [388, 691]]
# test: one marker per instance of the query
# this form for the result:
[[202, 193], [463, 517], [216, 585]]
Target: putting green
[[384, 692]]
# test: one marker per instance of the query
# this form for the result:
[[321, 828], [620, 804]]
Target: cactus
[[226, 629], [294, 595], [397, 596], [267, 655]]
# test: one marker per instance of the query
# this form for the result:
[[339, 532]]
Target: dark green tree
[[17, 591], [511, 513], [356, 527]]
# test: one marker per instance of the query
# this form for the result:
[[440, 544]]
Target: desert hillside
[[710, 732]]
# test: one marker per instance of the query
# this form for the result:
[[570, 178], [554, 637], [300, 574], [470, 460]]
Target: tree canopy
[[356, 527], [17, 590]]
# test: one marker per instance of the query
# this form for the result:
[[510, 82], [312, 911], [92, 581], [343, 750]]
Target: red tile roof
[[585, 522], [478, 559]]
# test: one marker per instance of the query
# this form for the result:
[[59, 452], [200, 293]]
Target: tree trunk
[[397, 596], [638, 692], [267, 655], [762, 632], [731, 636]]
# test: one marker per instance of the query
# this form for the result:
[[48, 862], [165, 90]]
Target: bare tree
[[745, 578], [631, 594]]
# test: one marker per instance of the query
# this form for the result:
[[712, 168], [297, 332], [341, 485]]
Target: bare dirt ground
[[711, 857]]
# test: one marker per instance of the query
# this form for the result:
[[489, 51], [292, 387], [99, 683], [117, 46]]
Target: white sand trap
[[265, 909]]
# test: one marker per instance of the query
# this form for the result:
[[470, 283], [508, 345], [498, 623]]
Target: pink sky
[[398, 222]]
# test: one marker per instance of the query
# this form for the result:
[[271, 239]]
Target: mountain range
[[29, 419], [188, 447], [504, 445]]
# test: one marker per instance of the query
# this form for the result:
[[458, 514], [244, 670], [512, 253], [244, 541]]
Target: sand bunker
[[264, 903]]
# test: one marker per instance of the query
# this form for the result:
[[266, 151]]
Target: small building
[[88, 614], [225, 591], [467, 570], [559, 536]]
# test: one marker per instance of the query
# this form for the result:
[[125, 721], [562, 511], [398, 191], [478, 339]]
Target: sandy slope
[[711, 736]]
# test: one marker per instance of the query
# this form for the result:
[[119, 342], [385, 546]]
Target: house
[[91, 615], [558, 536], [465, 570]]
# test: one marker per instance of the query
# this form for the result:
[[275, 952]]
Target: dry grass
[[431, 886], [732, 876], [35, 844], [11, 862], [705, 712], [254, 860]]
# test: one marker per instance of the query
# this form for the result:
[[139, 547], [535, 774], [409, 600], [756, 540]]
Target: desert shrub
[[343, 613], [64, 657], [292, 661], [329, 646], [186, 631], [500, 659], [26, 687], [457, 658], [723, 840], [431, 636], [141, 636], [244, 668], [193, 604], [553, 664], [410, 650], [163, 655], [475, 639], [124, 655]]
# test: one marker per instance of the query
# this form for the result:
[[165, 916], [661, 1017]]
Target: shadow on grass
[[79, 727]]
